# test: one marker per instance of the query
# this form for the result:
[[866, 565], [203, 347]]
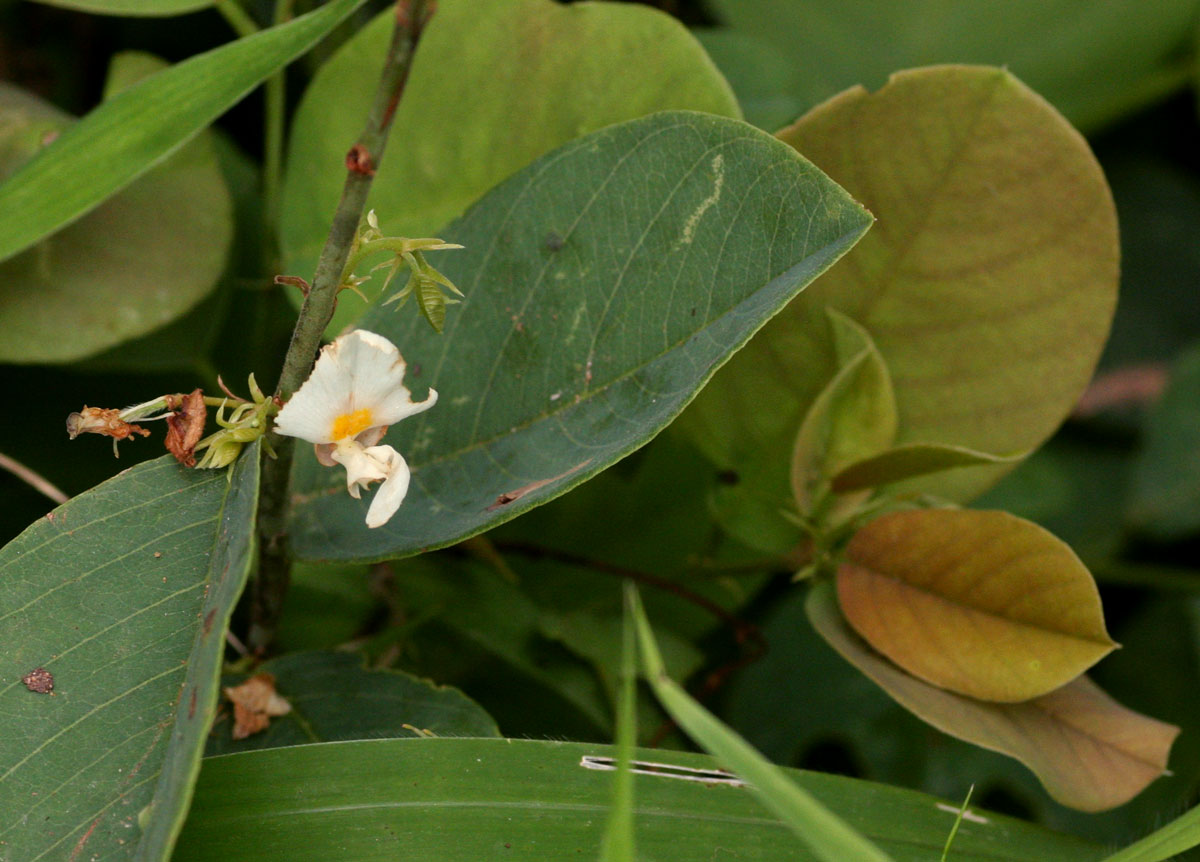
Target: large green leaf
[[141, 259], [604, 285], [994, 269], [133, 8], [1093, 61], [457, 800], [493, 86], [334, 697], [123, 595], [134, 131]]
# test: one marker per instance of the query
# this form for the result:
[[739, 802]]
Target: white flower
[[356, 390]]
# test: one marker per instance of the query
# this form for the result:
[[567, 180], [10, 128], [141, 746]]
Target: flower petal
[[376, 371], [400, 406], [363, 466], [393, 490], [310, 413]]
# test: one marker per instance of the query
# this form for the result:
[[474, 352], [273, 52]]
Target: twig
[[271, 583], [36, 480]]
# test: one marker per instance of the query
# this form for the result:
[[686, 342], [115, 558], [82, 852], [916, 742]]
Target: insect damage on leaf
[[39, 680], [255, 703], [512, 496]]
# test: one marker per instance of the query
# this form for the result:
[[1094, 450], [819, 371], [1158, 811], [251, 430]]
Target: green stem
[[271, 583], [237, 18]]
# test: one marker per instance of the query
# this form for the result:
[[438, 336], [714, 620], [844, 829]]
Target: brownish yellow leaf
[[1089, 751], [985, 604]]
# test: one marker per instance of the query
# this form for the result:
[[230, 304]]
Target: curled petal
[[363, 466], [391, 493]]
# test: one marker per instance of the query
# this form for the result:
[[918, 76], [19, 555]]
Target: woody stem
[[271, 582]]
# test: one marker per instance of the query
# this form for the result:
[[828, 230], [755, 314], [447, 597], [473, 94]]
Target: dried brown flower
[[185, 427]]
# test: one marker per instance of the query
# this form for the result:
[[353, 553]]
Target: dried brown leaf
[[255, 703]]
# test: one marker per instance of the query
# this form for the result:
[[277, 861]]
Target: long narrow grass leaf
[[135, 130], [619, 844], [1181, 834], [829, 837]]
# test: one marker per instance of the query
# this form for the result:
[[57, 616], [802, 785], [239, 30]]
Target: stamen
[[352, 424]]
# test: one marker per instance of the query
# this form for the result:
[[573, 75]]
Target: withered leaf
[[255, 703], [185, 427], [512, 496]]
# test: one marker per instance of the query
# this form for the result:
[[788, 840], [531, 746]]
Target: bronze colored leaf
[[1089, 751], [985, 604]]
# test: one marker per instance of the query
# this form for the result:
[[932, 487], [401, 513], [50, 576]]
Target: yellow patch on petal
[[352, 424]]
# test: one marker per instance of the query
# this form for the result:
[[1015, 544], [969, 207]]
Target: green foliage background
[[535, 650]]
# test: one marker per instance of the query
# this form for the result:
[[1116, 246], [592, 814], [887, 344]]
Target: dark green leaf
[[1093, 61], [229, 561], [459, 800], [130, 134], [123, 595], [563, 70], [335, 697], [325, 606], [604, 284]]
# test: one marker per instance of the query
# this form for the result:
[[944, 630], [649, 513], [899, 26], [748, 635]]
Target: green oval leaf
[[853, 416], [988, 288], [132, 8], [465, 799], [123, 595], [130, 134], [1093, 61], [140, 260], [1088, 751], [604, 284], [909, 461], [982, 603], [334, 697], [563, 70]]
